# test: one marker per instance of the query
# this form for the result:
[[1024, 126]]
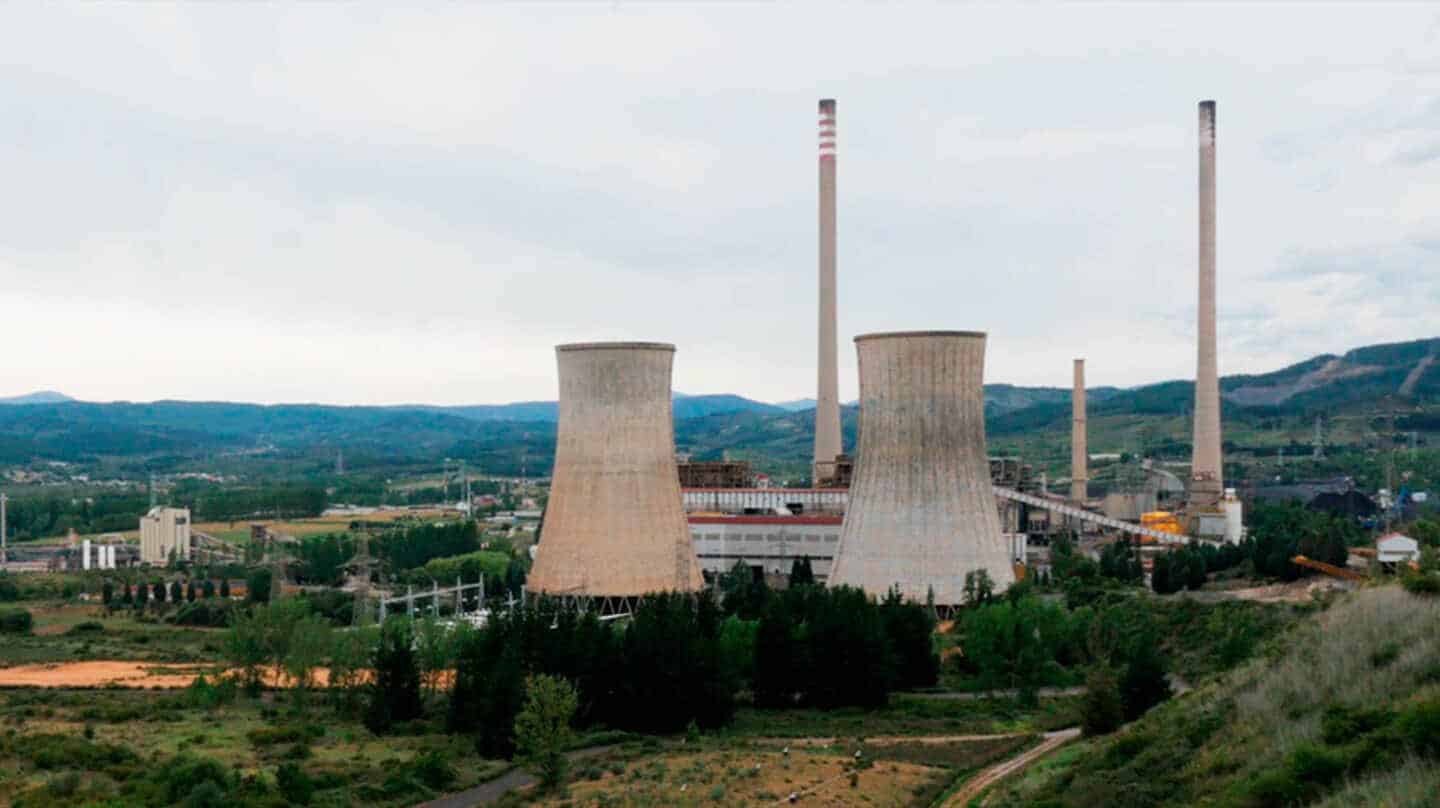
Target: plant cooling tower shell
[[615, 524], [922, 511]]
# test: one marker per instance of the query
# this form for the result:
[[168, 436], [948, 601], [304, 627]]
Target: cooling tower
[[922, 513], [615, 525], [1206, 480], [1079, 452], [827, 394]]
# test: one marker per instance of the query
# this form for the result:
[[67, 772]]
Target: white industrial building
[[765, 543], [1394, 549], [165, 534]]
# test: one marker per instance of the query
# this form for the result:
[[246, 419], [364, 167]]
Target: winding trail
[[976, 785]]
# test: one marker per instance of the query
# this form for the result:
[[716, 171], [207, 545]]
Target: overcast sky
[[346, 204]]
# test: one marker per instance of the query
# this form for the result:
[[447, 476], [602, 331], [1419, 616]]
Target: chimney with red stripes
[[827, 398]]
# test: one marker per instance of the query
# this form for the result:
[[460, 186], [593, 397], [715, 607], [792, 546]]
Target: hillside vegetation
[[1343, 710]]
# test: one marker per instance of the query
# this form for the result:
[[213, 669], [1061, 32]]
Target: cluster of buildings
[[921, 507]]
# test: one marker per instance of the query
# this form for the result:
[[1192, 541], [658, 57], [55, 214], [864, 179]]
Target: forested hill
[[504, 437]]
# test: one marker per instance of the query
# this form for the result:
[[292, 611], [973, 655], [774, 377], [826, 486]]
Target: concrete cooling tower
[[922, 513], [615, 525]]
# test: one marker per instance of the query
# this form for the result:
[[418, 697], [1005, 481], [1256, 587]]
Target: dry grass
[[751, 777], [1413, 785], [1379, 645]]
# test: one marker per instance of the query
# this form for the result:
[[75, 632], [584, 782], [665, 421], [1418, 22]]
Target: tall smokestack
[[827, 396], [1079, 453], [1206, 482]]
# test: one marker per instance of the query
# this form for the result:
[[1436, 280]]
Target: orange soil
[[149, 675]]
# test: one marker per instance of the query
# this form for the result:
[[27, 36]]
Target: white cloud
[[347, 203]]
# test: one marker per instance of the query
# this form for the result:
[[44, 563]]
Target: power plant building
[[615, 525], [922, 508], [165, 536]]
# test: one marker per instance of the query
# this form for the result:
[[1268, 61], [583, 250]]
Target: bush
[[295, 785], [432, 769], [87, 627], [16, 621]]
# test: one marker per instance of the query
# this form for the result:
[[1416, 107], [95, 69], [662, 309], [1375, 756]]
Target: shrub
[[16, 621], [295, 785], [87, 627], [1341, 724], [433, 769], [1419, 724]]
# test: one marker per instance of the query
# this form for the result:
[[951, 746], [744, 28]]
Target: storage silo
[[615, 524], [922, 512]]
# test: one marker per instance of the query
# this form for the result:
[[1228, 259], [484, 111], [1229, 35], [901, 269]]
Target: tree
[[126, 596], [107, 593], [1102, 712], [1160, 576], [306, 647], [207, 590], [979, 589], [190, 591], [542, 730], [257, 585], [776, 658], [350, 655], [909, 627], [157, 591], [395, 694], [801, 574], [1145, 683], [1014, 645], [225, 588], [246, 649], [176, 592]]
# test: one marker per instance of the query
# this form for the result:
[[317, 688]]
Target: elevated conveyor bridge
[[1080, 514]]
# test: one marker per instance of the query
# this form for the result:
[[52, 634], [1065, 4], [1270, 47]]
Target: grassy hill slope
[[1344, 709]]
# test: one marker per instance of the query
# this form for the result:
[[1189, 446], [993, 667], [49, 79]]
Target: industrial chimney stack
[[1206, 481], [1079, 452], [827, 396]]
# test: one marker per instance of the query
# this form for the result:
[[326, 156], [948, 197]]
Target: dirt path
[[887, 740], [989, 777], [1044, 693]]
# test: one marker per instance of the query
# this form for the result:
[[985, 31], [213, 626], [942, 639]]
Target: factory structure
[[615, 527], [165, 536], [920, 507]]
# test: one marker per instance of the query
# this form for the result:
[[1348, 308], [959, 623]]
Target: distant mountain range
[[501, 437], [38, 397]]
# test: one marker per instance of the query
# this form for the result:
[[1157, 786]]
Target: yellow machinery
[[1164, 521]]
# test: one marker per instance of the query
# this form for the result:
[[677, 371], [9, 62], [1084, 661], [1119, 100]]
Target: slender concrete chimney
[[1079, 453], [1206, 481], [827, 396]]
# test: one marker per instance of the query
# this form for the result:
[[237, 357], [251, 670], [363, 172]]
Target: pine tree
[[225, 588], [190, 590], [801, 573], [1102, 711], [395, 697], [207, 590]]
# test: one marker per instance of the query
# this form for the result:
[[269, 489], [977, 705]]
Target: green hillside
[[1344, 711]]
